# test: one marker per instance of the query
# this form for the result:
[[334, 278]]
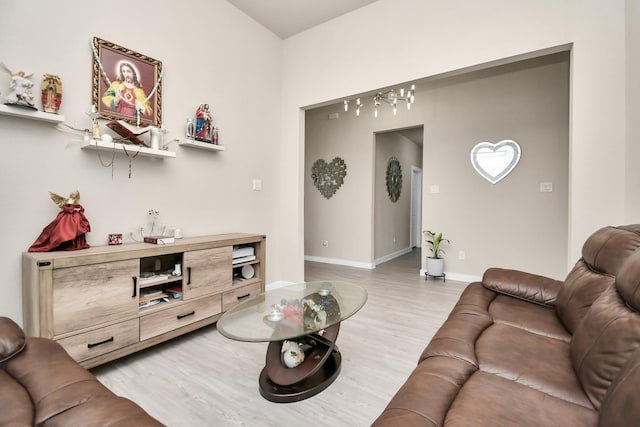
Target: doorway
[[416, 207]]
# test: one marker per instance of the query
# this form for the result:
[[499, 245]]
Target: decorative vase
[[435, 266], [292, 354], [51, 93]]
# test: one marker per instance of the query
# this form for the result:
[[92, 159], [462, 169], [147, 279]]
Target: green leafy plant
[[435, 240]]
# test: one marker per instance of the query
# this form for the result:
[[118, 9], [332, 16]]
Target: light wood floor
[[204, 379]]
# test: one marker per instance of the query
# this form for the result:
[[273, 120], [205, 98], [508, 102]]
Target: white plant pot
[[435, 266]]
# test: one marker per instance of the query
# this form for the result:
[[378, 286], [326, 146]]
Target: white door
[[416, 207]]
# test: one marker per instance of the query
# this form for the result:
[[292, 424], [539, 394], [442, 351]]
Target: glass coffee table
[[301, 323]]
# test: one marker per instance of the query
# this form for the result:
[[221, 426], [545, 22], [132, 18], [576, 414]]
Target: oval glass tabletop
[[292, 311]]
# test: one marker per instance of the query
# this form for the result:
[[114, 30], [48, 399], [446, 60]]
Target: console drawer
[[234, 297], [160, 322], [101, 341]]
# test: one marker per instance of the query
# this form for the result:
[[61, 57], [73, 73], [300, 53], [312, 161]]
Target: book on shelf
[[159, 240], [152, 302], [153, 297], [129, 132], [175, 291]]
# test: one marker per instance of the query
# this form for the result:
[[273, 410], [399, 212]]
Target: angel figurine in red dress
[[67, 231]]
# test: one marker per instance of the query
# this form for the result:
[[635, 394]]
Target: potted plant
[[435, 263]]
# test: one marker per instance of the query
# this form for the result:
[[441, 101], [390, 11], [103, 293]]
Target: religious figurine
[[20, 87], [67, 231], [203, 123], [51, 93]]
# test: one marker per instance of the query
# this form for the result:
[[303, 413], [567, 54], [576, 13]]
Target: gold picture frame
[[126, 84]]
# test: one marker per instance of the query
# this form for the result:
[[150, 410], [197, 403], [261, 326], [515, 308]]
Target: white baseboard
[[277, 284], [336, 261], [392, 256]]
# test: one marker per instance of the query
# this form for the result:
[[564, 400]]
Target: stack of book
[[147, 299], [175, 291]]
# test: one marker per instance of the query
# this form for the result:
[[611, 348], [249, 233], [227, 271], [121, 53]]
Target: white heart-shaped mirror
[[495, 161]]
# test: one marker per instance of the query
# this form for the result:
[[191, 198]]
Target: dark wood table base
[[320, 368], [304, 389]]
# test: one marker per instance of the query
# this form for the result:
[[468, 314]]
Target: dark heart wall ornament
[[328, 177], [495, 161]]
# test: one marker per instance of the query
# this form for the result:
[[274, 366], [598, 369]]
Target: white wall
[[257, 84], [632, 196], [353, 55], [211, 53]]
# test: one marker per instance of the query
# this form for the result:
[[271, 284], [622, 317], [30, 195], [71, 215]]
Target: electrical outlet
[[462, 255]]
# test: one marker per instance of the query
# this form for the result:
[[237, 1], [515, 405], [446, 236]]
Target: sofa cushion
[[607, 249], [112, 411], [603, 343], [457, 337], [620, 406], [581, 288], [603, 254], [533, 318], [416, 403], [12, 339], [502, 350], [489, 400], [628, 281], [16, 408]]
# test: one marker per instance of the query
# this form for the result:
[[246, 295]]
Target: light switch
[[546, 187], [257, 185], [434, 189]]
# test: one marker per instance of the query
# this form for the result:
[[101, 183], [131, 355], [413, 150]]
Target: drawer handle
[[182, 316], [188, 275], [135, 287], [90, 345], [244, 296]]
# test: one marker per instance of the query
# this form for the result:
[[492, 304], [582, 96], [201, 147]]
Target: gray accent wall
[[510, 224]]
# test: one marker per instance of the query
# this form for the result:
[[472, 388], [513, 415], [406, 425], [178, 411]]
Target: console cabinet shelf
[[106, 302]]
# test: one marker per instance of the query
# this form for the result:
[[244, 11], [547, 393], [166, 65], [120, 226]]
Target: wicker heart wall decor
[[328, 177]]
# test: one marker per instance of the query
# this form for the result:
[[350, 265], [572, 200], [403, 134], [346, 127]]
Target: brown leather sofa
[[520, 349], [41, 385]]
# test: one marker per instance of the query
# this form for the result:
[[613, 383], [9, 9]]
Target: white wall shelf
[[186, 142], [131, 149], [27, 113]]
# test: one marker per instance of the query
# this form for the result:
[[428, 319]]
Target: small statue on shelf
[[203, 123], [20, 87], [67, 231], [51, 93]]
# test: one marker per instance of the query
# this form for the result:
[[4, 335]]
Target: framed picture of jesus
[[127, 85]]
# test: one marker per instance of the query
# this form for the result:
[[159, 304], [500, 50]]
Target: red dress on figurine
[[65, 233]]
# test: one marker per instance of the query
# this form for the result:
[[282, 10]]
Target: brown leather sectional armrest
[[518, 284]]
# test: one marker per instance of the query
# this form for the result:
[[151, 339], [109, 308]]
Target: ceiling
[[285, 18]]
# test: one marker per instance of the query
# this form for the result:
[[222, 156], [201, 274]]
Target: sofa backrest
[[12, 339], [609, 333], [603, 254]]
